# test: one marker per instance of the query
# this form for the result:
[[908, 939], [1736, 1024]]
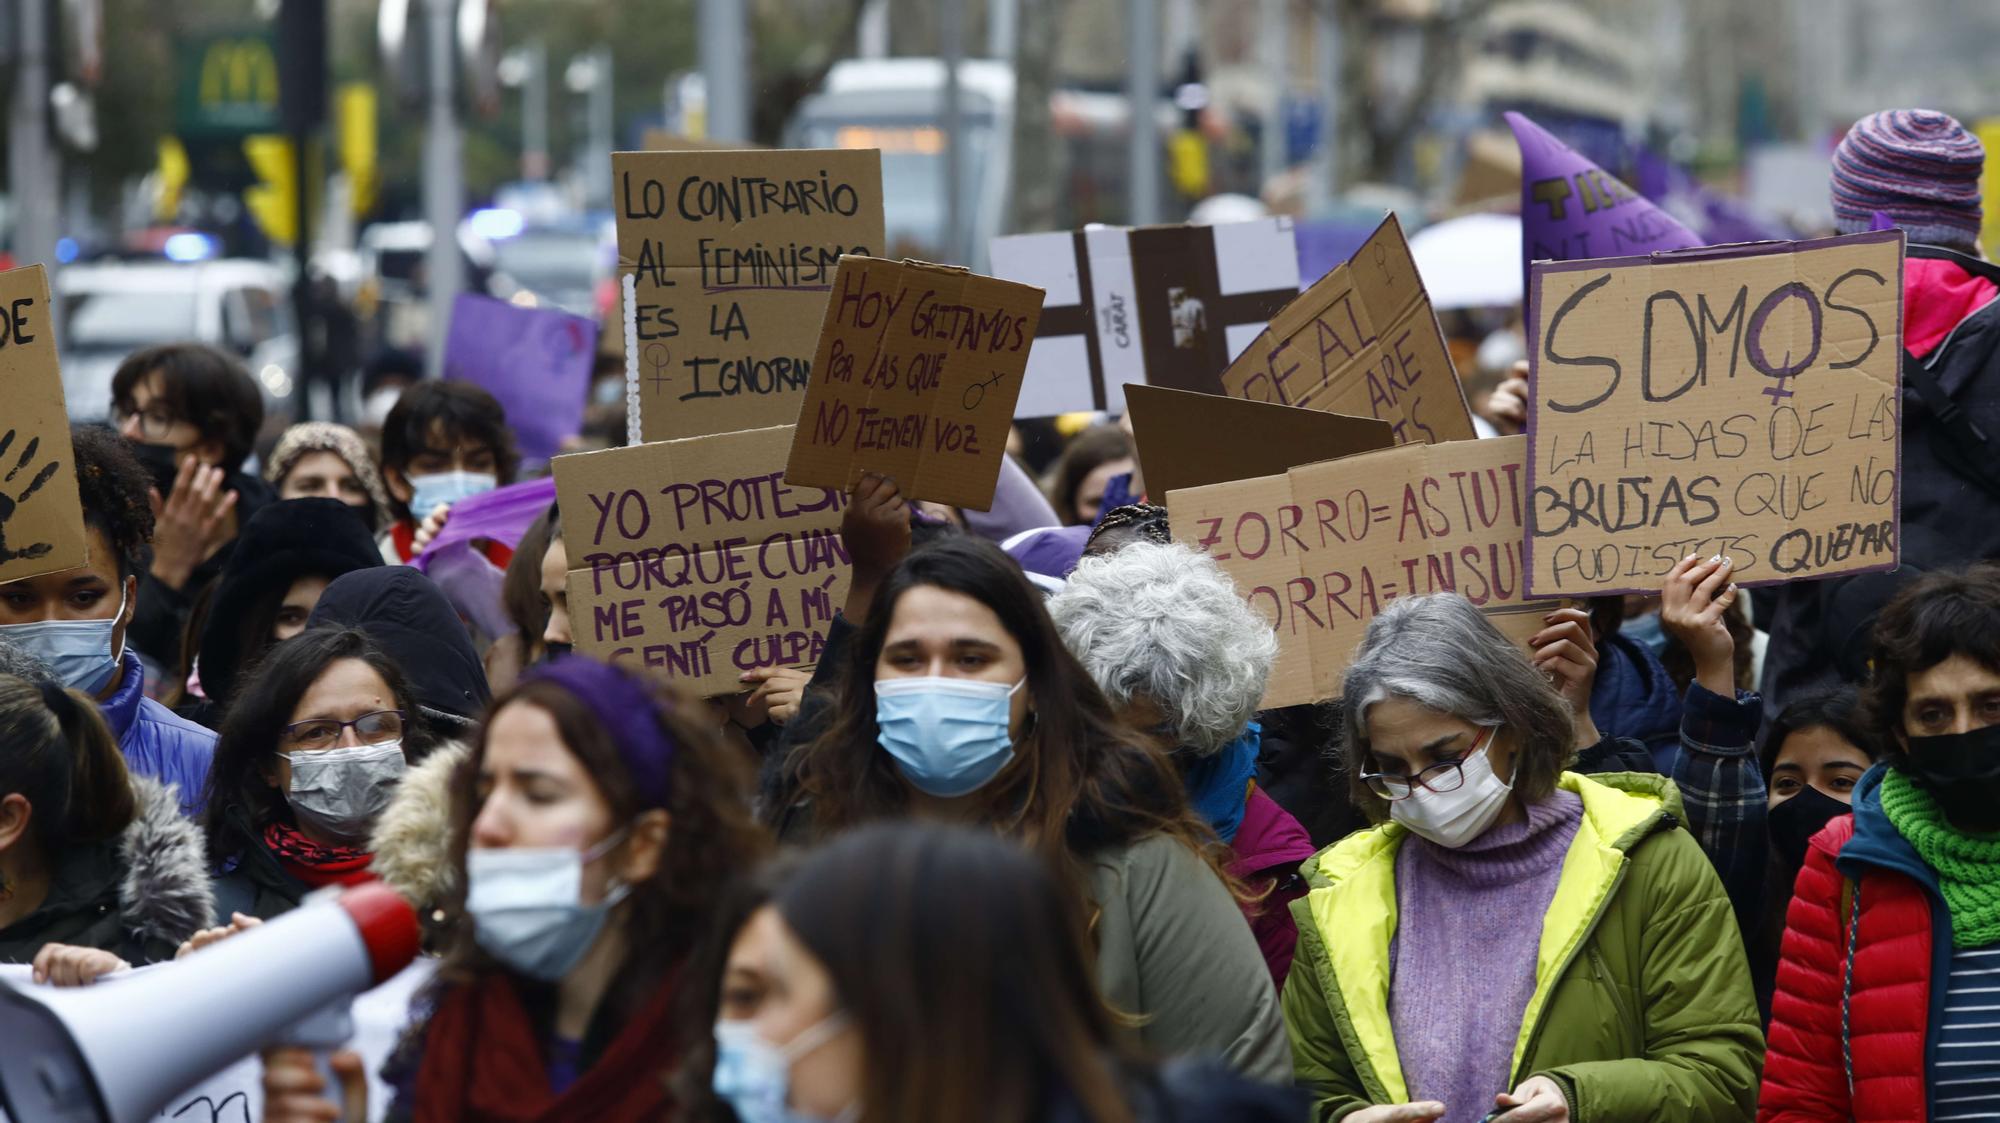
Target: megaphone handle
[[324, 1032]]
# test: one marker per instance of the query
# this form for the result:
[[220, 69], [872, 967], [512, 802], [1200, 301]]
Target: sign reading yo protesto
[[731, 255], [1319, 550], [1740, 402], [1362, 341], [41, 518], [724, 569], [915, 377]]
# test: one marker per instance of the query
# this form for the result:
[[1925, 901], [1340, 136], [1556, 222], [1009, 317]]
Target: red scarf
[[313, 864], [483, 1063]]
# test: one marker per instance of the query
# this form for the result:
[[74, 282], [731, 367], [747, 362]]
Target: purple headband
[[626, 708]]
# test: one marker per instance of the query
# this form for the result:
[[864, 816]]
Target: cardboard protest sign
[[730, 256], [1190, 440], [1736, 401], [41, 518], [697, 557], [1161, 305], [1320, 549], [915, 377], [536, 361], [1362, 341], [1573, 209]]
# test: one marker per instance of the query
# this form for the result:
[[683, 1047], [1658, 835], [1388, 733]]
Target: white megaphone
[[118, 1051]]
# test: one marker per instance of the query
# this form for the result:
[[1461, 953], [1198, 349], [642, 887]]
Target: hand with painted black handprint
[[9, 503]]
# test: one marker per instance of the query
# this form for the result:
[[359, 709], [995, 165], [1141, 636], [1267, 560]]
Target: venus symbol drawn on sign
[[658, 357], [976, 393], [1779, 391]]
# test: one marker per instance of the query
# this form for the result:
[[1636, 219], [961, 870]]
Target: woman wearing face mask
[[1885, 992], [900, 941], [321, 460], [97, 867], [1166, 637], [443, 442], [595, 830], [310, 754], [1812, 756], [1515, 937], [957, 700], [290, 552]]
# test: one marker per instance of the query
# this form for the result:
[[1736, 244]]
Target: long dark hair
[[239, 789], [62, 757], [1834, 708], [951, 945], [712, 838], [1083, 782]]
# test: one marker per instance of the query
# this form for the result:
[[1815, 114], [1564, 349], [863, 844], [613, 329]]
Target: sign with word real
[[731, 255], [536, 361], [1738, 401], [915, 377], [695, 556], [1320, 549], [1159, 305], [41, 517], [1362, 341]]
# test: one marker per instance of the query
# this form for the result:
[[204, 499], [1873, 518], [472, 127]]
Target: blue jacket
[[156, 741]]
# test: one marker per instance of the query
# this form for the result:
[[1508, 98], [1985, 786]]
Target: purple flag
[[1572, 209], [535, 360]]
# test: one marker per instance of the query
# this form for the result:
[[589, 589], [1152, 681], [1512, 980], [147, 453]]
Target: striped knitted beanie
[[1918, 166]]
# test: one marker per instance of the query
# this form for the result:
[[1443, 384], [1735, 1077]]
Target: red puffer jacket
[[1877, 1070]]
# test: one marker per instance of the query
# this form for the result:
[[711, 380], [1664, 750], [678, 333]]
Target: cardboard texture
[[915, 377], [536, 361], [41, 518], [1738, 401], [725, 568], [1362, 341], [1159, 305], [732, 254], [1191, 440], [1321, 548], [1573, 209]]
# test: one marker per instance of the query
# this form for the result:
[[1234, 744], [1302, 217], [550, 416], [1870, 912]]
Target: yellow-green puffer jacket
[[1642, 1007]]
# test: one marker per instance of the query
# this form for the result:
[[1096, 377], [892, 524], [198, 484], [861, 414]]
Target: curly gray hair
[[1165, 622]]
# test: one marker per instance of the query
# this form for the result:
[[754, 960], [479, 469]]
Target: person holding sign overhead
[[956, 700], [593, 833], [1514, 936]]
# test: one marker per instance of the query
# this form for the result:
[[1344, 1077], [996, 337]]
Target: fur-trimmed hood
[[412, 839], [163, 894]]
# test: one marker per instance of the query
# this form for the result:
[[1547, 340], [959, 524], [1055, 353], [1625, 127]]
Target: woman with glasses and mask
[[593, 834], [310, 754], [1514, 937], [1886, 986]]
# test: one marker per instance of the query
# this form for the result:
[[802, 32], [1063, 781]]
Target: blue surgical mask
[[446, 489], [754, 1077], [78, 651], [527, 909], [950, 736], [1645, 629]]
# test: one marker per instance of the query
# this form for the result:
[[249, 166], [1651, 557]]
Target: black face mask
[[368, 516], [1962, 772], [554, 651], [1793, 823], [160, 462]]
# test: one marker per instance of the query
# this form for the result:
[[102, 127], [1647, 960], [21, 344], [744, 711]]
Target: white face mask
[[1454, 818], [527, 905], [341, 791]]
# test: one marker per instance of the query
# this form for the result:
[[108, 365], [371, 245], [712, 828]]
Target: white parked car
[[113, 308]]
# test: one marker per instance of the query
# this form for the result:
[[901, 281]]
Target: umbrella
[[1473, 261]]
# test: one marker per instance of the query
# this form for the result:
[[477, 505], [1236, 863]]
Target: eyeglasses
[[156, 421], [324, 732], [1440, 778]]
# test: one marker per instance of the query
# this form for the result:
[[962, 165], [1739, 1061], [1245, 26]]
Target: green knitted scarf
[[1968, 868]]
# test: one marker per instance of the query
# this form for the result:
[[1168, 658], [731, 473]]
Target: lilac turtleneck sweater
[[1468, 924]]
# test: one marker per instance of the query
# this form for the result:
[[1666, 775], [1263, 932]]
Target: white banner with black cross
[[1163, 305]]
